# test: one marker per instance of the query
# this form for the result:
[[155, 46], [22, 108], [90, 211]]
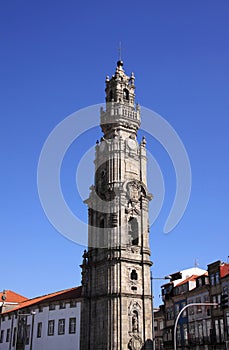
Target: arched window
[[102, 223], [134, 275], [133, 231], [111, 96], [101, 233], [125, 94]]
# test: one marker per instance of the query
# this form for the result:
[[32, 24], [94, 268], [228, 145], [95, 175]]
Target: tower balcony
[[119, 115]]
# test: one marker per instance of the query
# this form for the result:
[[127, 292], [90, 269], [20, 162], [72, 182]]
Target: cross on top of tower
[[120, 62], [120, 51]]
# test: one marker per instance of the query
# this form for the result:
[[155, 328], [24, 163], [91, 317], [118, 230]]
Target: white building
[[48, 322]]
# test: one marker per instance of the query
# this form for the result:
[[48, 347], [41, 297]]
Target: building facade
[[200, 327], [49, 322], [116, 268]]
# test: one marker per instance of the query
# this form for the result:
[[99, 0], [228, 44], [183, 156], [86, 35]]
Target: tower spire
[[121, 112]]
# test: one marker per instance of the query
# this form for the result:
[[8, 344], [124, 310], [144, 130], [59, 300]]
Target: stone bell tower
[[116, 308]]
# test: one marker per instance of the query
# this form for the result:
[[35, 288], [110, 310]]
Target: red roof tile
[[224, 270], [12, 297], [191, 278], [71, 293]]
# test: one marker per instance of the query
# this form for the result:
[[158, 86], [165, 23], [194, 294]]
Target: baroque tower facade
[[116, 309]]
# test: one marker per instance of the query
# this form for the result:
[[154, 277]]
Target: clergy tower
[[116, 308]]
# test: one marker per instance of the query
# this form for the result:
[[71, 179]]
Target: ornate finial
[[132, 78], [85, 257], [143, 143]]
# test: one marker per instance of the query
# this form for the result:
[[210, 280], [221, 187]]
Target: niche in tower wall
[[126, 94], [134, 275], [135, 342], [135, 322], [133, 231]]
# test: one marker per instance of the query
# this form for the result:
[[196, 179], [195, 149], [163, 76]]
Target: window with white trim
[[27, 334], [39, 329], [61, 326], [72, 325], [51, 325]]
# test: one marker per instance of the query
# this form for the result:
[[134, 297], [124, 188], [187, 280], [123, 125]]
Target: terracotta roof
[[71, 293], [224, 270], [12, 297], [191, 278]]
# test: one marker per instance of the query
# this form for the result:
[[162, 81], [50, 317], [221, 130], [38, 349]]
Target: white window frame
[[61, 326]]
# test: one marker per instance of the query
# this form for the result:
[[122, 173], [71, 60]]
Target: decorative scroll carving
[[134, 193], [135, 342]]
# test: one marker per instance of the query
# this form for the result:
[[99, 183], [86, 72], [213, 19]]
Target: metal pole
[[33, 313], [31, 341], [153, 332], [178, 316], [16, 333], [152, 297]]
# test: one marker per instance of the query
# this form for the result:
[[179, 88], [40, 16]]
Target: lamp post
[[178, 316], [33, 313], [152, 297]]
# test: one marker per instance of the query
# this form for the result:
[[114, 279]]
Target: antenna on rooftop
[[196, 262]]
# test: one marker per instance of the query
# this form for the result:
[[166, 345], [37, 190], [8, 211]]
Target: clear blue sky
[[54, 59]]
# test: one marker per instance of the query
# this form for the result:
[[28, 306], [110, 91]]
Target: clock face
[[132, 144]]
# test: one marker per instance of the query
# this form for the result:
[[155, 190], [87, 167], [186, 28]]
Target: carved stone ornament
[[133, 249], [134, 191], [135, 342]]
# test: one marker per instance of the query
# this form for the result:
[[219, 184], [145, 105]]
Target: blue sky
[[54, 59]]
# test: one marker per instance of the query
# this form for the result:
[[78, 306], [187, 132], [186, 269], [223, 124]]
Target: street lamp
[[178, 316], [152, 297]]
